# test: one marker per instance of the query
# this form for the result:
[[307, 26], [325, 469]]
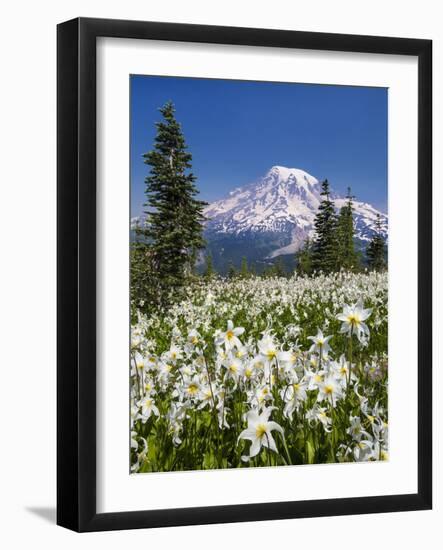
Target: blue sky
[[237, 130]]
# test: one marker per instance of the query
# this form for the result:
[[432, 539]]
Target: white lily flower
[[206, 397], [134, 443], [192, 387], [141, 456], [355, 429], [247, 372], [259, 432], [363, 450], [230, 337], [340, 369], [233, 367], [268, 348], [140, 364], [353, 318], [294, 395], [315, 378], [319, 414], [330, 390], [148, 407], [194, 337], [320, 343]]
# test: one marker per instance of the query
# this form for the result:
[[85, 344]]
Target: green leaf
[[310, 451]]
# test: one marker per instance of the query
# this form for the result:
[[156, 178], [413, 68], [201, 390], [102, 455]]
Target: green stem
[[350, 361], [214, 415], [288, 456]]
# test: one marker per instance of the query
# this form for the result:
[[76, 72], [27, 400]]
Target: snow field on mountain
[[283, 194]]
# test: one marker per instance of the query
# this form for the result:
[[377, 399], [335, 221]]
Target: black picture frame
[[76, 266]]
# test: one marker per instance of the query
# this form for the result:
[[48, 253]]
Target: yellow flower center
[[318, 378], [233, 368], [260, 430], [353, 319], [229, 335], [192, 389], [194, 340], [329, 389], [271, 354], [248, 373], [296, 387]]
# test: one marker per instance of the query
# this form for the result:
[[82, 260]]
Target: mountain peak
[[284, 174], [283, 204], [295, 177]]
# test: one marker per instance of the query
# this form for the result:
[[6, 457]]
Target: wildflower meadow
[[257, 371]]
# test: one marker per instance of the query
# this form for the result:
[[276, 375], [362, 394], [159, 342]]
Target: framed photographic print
[[244, 274]]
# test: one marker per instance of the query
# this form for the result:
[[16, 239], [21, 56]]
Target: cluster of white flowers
[[301, 373]]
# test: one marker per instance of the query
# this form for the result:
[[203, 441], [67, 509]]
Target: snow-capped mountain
[[274, 215]]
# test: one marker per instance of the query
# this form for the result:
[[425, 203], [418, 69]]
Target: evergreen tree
[[141, 275], [174, 230], [324, 250], [303, 258], [279, 268], [376, 249], [232, 272], [346, 254], [209, 269], [268, 271], [244, 272]]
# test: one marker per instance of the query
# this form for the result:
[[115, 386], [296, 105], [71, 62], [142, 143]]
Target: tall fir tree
[[209, 268], [244, 271], [232, 272], [347, 257], [174, 228], [279, 268], [376, 250], [324, 250], [303, 258]]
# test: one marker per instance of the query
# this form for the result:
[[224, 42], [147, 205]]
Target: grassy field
[[260, 372]]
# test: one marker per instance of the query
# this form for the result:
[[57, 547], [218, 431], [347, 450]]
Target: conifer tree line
[[376, 250], [333, 246], [164, 255]]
